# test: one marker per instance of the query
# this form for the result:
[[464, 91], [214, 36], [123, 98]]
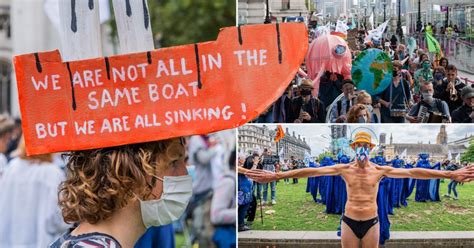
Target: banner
[[160, 94]]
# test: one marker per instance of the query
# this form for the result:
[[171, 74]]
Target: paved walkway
[[313, 239], [292, 235]]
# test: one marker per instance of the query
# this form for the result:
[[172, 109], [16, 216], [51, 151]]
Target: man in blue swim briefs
[[360, 224]]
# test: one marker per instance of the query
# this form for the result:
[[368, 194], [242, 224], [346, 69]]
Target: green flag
[[433, 44]]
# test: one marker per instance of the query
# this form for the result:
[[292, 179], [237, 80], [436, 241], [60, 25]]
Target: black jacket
[[441, 93], [462, 115], [276, 110], [315, 108]]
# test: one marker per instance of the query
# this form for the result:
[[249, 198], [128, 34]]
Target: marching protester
[[396, 99], [465, 113], [365, 98], [429, 109], [359, 113], [450, 89], [342, 106], [423, 75], [330, 87], [282, 107], [307, 108]]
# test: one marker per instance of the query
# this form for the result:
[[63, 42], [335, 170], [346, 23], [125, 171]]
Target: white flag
[[377, 33], [458, 158], [450, 157], [280, 155], [341, 27], [403, 155]]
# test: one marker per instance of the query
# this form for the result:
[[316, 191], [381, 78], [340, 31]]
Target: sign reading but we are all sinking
[[160, 94]]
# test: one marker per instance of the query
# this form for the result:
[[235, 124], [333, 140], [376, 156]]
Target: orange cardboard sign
[[160, 94]]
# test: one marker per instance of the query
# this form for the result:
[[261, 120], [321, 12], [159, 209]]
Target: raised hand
[[465, 174], [261, 176]]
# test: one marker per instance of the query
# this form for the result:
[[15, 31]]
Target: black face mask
[[395, 73], [305, 92]]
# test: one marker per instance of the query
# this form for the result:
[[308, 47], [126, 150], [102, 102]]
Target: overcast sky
[[319, 135]]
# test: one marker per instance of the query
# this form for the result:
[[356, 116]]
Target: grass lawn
[[295, 210]]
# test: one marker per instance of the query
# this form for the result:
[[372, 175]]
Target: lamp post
[[384, 13], [267, 15], [418, 22], [399, 21]]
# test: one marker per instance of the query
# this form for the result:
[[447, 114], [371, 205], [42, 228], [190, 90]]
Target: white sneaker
[[447, 195], [264, 203], [456, 198], [274, 202]]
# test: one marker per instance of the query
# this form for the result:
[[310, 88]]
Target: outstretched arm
[[263, 176], [464, 174]]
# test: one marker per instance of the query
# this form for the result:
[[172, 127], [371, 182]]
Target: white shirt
[[29, 213]]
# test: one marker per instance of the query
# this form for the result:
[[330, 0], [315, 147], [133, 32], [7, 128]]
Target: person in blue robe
[[422, 193], [330, 190], [434, 185], [397, 184]]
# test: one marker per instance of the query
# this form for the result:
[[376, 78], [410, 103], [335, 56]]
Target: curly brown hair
[[354, 112], [102, 181]]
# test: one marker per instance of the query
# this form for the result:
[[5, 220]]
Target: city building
[[437, 152], [257, 138], [254, 11]]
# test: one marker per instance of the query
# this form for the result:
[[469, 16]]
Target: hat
[[347, 81], [467, 92], [362, 137], [306, 84], [6, 123]]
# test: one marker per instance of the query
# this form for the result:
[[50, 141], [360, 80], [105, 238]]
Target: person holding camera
[[306, 108]]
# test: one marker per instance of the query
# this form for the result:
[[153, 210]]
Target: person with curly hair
[[359, 113], [114, 194]]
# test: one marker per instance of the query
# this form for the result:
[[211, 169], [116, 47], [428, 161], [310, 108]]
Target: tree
[[179, 22], [469, 154]]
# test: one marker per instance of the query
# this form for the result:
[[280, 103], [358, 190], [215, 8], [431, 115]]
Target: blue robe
[[383, 209], [434, 185], [157, 237], [312, 185], [422, 193], [407, 189], [396, 187]]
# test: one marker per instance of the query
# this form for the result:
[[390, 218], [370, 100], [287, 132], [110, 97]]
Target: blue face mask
[[362, 153], [438, 76]]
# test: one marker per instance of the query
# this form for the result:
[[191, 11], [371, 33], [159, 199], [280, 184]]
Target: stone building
[[254, 11], [437, 152], [252, 138]]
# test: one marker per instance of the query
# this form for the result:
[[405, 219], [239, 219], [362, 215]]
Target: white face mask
[[173, 202]]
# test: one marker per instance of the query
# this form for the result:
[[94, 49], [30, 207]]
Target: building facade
[[438, 152], [257, 138], [254, 11]]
